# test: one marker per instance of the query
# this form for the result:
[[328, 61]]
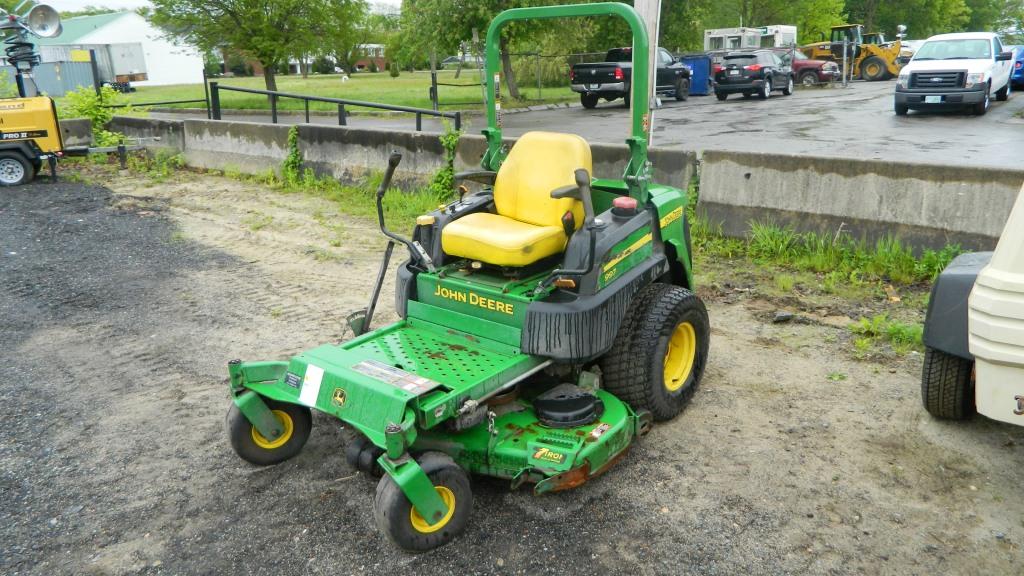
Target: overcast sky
[[79, 4]]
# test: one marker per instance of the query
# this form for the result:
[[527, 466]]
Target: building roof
[[77, 28]]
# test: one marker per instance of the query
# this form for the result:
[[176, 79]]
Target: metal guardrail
[[215, 109]]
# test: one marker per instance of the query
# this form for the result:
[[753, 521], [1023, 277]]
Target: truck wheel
[[873, 69], [625, 99], [1003, 94], [659, 354], [403, 524], [254, 448], [789, 87], [808, 78], [682, 89], [900, 109], [946, 387], [982, 107], [721, 95], [766, 90], [589, 101], [14, 169]]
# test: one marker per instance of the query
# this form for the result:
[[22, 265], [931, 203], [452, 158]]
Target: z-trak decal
[[547, 455], [672, 217], [643, 241]]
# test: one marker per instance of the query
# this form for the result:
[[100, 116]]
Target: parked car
[[1017, 76], [758, 72], [807, 71], [955, 70], [611, 79], [468, 61]]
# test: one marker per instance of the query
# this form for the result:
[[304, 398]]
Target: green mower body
[[542, 374]]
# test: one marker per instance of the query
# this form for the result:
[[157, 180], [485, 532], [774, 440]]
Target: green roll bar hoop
[[638, 171]]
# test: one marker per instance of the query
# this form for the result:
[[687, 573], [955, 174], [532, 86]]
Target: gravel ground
[[121, 303]]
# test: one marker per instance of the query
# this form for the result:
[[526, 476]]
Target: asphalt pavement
[[853, 122]]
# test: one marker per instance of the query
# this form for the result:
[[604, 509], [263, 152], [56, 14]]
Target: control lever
[[416, 250]]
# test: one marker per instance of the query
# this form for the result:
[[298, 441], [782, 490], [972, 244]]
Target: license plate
[[734, 72], [933, 99], [593, 86]]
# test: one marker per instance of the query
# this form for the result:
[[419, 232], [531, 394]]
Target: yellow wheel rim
[[281, 440], [421, 525], [679, 356]]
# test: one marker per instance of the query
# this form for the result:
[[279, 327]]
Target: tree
[[268, 30], [439, 26]]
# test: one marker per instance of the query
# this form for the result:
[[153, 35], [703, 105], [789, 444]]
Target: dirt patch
[[122, 305]]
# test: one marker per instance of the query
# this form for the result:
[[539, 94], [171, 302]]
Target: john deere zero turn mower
[[546, 322]]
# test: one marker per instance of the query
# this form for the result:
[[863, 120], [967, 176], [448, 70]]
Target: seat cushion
[[500, 240], [539, 163]]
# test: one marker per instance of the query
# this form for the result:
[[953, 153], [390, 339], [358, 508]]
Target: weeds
[[902, 337], [785, 282], [257, 221]]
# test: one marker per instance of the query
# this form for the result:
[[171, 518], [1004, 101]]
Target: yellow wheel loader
[[867, 60]]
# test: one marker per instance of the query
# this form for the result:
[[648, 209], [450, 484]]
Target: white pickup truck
[[955, 70]]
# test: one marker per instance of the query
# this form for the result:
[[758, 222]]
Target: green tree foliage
[[925, 18], [268, 30]]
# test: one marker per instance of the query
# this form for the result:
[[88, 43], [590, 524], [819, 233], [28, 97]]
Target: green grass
[[902, 337], [409, 89]]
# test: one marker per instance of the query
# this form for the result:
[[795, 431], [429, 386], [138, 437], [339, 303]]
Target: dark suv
[[759, 72]]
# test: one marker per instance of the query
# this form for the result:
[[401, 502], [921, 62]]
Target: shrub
[[85, 103]]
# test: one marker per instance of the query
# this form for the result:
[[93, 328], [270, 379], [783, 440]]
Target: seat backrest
[[539, 163]]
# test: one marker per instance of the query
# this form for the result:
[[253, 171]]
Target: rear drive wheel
[[982, 107], [405, 526], [589, 100], [14, 169], [1003, 94], [808, 78], [946, 387], [766, 90], [721, 95], [659, 354], [900, 109], [253, 447], [682, 89], [873, 69], [789, 87]]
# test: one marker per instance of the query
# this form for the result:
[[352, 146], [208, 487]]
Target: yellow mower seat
[[528, 224]]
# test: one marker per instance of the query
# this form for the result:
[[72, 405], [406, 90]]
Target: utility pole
[[650, 13]]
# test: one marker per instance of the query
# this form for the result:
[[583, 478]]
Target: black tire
[[362, 455], [14, 169], [789, 87], [873, 69], [981, 108], [625, 99], [635, 368], [721, 95], [1003, 94], [682, 89], [900, 109], [393, 511], [766, 89], [946, 387], [748, 95], [246, 440], [808, 78], [589, 101]]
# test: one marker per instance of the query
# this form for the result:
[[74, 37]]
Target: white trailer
[[779, 35]]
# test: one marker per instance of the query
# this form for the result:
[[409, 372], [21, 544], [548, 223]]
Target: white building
[[166, 62]]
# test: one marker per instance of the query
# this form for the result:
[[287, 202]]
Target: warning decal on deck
[[411, 383]]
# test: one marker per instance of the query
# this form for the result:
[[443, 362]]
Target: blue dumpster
[[700, 73]]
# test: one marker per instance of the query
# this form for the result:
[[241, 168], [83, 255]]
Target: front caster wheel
[[403, 524], [297, 421]]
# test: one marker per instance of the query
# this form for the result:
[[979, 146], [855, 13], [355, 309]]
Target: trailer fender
[[945, 326]]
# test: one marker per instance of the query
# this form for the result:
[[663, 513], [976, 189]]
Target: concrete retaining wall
[[924, 205], [76, 132]]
